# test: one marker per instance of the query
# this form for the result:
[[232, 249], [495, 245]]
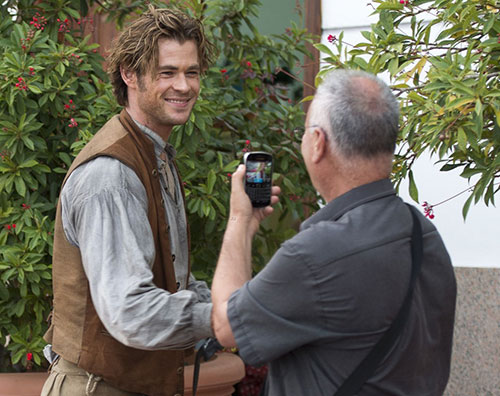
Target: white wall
[[473, 243]]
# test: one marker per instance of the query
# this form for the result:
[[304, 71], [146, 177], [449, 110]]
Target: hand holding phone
[[258, 178]]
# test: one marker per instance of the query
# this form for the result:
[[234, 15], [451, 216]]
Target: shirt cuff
[[202, 321]]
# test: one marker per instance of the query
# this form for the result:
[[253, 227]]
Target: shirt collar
[[160, 144], [350, 200]]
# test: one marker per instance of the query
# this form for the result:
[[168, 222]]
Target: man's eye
[[193, 74], [167, 74]]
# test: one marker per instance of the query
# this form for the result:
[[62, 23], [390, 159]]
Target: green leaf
[[489, 23], [211, 179], [388, 5], [20, 186], [60, 68], [28, 164], [462, 139], [17, 356], [393, 66], [206, 208], [72, 12], [37, 359], [23, 291], [28, 142], [466, 206], [307, 99], [325, 49], [19, 308], [412, 187], [231, 167], [33, 88], [361, 63]]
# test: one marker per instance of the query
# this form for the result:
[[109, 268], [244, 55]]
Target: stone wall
[[475, 366]]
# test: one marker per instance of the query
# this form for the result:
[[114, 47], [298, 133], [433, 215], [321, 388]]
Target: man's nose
[[181, 83]]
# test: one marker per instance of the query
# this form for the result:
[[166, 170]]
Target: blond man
[[126, 308]]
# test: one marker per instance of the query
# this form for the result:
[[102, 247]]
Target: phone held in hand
[[258, 178]]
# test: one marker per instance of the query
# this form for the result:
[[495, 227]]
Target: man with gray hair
[[330, 293]]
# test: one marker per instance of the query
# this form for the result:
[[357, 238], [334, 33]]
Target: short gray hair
[[358, 111]]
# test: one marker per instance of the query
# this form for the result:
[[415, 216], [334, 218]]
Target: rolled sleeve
[[274, 313]]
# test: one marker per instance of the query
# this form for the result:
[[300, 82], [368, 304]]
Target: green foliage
[[442, 59], [54, 95], [52, 86]]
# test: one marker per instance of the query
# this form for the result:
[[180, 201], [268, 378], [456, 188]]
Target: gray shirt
[[104, 214], [329, 293]]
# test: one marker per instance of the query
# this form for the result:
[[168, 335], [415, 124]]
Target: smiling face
[[165, 97]]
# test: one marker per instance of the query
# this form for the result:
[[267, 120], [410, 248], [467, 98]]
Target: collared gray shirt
[[329, 294], [104, 214]]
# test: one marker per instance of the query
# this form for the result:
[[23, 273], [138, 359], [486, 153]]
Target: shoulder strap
[[368, 365]]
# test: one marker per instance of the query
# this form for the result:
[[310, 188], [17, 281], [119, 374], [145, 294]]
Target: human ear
[[129, 77], [319, 145]]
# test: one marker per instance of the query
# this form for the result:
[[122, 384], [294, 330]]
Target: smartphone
[[258, 178]]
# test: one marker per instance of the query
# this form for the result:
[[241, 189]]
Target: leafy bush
[[54, 95], [442, 59]]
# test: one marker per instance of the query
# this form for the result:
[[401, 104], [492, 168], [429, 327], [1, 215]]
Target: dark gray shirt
[[329, 293]]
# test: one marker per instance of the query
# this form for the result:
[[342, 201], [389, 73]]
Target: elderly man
[[331, 292]]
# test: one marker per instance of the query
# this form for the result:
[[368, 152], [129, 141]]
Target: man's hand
[[234, 267], [241, 208]]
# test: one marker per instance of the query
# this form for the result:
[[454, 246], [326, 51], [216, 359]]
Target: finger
[[268, 210], [237, 177], [276, 190]]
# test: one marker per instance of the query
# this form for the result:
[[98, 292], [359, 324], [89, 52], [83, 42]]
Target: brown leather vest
[[76, 332]]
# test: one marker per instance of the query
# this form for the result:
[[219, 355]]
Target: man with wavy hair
[[127, 310]]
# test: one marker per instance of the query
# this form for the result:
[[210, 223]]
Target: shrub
[[441, 57]]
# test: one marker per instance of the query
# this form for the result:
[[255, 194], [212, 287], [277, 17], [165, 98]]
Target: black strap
[[206, 350], [367, 367]]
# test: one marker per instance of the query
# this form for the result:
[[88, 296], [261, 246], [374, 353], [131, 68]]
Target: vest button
[[173, 258], [180, 370], [178, 285], [154, 172]]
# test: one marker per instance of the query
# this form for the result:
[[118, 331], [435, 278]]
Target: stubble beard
[[158, 112]]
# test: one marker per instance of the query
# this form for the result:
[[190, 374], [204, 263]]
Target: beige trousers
[[67, 379]]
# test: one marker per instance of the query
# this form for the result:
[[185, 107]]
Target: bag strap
[[207, 349], [368, 365]]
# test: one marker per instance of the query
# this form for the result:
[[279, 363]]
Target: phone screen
[[259, 172], [259, 175]]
